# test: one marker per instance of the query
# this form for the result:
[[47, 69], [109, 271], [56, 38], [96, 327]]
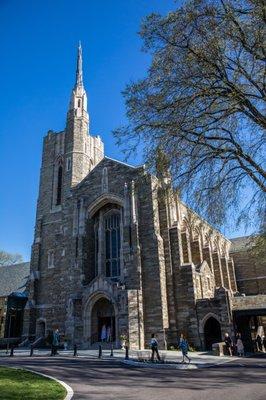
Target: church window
[[79, 102], [76, 247], [68, 163], [50, 259], [96, 248], [59, 186], [112, 245], [208, 283]]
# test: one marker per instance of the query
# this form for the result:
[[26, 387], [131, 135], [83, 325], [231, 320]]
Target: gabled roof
[[13, 278], [123, 163], [105, 158], [242, 243]]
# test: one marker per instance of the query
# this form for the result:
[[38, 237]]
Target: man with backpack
[[154, 348]]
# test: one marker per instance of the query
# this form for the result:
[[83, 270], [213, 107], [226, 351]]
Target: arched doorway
[[103, 321], [212, 332]]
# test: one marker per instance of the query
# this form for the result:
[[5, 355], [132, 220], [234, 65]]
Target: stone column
[[132, 260], [101, 267], [207, 255], [196, 251], [176, 248], [225, 272], [167, 216], [232, 275], [217, 268], [186, 249], [82, 218]]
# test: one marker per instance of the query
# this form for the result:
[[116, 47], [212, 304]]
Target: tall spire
[[78, 100], [79, 77]]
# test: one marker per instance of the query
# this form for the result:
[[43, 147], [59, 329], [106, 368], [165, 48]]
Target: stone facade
[[250, 272], [114, 246]]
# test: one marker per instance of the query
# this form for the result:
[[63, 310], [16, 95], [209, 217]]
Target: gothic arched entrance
[[212, 332], [103, 321]]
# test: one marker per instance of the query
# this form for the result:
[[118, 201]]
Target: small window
[[208, 283], [77, 247], [50, 259], [68, 163], [59, 185], [79, 103]]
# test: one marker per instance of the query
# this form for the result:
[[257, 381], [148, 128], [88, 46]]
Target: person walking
[[56, 341], [240, 346], [259, 343], [228, 343], [154, 348], [183, 345]]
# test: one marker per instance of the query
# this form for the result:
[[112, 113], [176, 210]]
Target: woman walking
[[183, 345]]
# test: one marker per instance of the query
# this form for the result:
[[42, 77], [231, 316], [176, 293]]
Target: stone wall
[[250, 272]]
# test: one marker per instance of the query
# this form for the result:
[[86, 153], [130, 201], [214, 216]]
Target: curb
[[189, 366], [159, 366], [69, 389]]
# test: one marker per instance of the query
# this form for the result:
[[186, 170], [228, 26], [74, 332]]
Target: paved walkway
[[197, 358], [95, 379]]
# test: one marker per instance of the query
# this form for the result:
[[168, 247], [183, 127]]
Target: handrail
[[37, 341], [24, 342]]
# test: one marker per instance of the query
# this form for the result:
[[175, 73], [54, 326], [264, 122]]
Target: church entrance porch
[[103, 322], [212, 332]]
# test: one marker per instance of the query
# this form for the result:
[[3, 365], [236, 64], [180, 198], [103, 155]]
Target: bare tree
[[203, 104], [9, 259]]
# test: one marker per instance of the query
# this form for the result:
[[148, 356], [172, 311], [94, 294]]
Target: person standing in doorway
[[240, 346], [108, 334], [154, 348], [228, 343], [103, 333], [183, 345]]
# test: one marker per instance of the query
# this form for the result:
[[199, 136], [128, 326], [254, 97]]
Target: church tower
[[82, 151]]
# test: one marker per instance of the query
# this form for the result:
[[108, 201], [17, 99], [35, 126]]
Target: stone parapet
[[249, 302]]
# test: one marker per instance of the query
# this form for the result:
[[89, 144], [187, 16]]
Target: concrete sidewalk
[[171, 357]]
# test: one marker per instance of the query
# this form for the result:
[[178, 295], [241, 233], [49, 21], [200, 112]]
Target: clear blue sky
[[38, 41]]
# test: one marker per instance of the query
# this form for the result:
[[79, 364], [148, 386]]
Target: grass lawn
[[17, 384]]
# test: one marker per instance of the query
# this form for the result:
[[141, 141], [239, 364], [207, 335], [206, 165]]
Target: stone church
[[115, 249]]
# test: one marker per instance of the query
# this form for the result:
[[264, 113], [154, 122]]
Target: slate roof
[[240, 244], [13, 278]]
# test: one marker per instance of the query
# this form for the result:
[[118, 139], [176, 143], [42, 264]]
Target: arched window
[[112, 244], [59, 185]]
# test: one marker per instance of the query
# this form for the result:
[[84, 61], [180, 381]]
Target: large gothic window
[[112, 244]]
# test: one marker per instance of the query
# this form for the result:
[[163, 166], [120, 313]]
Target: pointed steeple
[[79, 73], [78, 101], [83, 150]]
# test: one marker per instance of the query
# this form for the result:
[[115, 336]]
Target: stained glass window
[[112, 244]]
